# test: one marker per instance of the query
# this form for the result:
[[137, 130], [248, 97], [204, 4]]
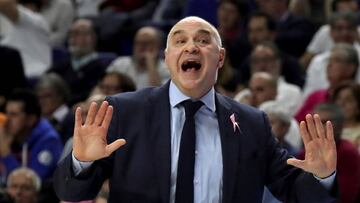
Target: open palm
[[90, 142], [320, 149]]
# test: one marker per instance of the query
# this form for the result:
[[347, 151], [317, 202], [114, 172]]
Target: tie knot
[[191, 107]]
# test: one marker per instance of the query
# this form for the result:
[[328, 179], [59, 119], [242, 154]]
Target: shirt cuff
[[80, 166], [328, 181]]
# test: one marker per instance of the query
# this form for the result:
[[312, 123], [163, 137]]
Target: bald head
[[193, 19], [149, 33], [263, 87], [82, 38]]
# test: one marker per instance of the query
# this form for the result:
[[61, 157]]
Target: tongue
[[191, 69]]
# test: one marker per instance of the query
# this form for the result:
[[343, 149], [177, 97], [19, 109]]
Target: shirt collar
[[176, 97]]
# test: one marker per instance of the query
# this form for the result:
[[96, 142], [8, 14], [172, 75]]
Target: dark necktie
[[186, 161]]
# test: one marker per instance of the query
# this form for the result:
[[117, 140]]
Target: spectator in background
[[145, 67], [59, 14], [231, 22], [118, 21], [261, 28], [113, 83], [230, 17], [167, 12], [293, 32], [280, 121], [83, 70], [27, 139], [231, 27], [264, 88], [343, 29], [323, 40], [23, 185], [11, 73], [227, 84], [53, 93], [348, 164], [347, 96], [342, 67], [314, 10], [29, 34], [265, 57]]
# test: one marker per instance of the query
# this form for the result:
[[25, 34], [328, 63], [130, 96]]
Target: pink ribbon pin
[[235, 124]]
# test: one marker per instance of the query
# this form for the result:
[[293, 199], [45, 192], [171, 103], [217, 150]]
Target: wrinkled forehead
[[193, 25]]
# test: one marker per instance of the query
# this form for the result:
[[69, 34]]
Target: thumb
[[110, 148], [296, 163]]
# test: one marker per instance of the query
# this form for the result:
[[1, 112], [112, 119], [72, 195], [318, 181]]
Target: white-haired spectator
[[286, 130], [23, 185], [284, 127], [343, 29]]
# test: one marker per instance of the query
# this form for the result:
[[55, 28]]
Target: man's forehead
[[197, 25], [81, 25], [198, 31], [15, 103]]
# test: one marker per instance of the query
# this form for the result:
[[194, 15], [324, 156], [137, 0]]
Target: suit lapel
[[230, 146], [160, 130]]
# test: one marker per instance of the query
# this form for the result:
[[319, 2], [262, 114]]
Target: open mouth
[[188, 65]]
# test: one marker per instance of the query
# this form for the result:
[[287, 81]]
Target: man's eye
[[180, 41], [202, 41]]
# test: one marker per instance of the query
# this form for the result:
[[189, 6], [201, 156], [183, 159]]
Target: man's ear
[[166, 57], [221, 58]]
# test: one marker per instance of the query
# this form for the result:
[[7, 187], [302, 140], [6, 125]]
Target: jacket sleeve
[[87, 184]]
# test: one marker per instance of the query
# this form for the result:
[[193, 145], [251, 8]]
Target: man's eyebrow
[[176, 32]]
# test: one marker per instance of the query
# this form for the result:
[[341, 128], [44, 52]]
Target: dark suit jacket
[[140, 170]]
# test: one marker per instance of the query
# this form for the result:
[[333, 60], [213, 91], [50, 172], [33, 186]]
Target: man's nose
[[191, 47]]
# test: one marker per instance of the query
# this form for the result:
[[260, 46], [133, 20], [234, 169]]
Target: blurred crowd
[[286, 57]]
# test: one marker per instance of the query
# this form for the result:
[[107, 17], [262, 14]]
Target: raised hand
[[90, 138], [320, 148]]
